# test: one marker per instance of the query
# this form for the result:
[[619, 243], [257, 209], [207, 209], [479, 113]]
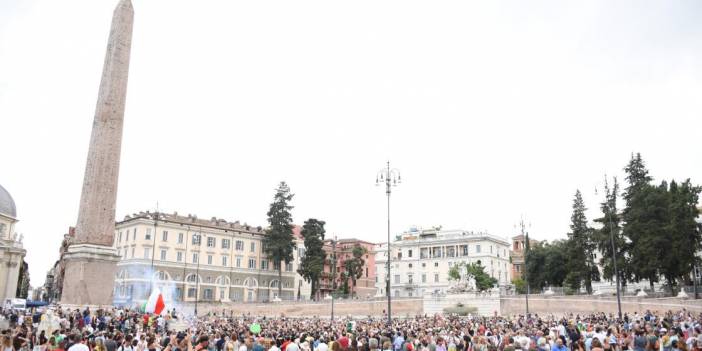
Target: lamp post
[[611, 206], [391, 177]]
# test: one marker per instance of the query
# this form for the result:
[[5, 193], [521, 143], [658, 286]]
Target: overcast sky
[[491, 110]]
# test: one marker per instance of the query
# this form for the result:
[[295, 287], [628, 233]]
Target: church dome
[[7, 204]]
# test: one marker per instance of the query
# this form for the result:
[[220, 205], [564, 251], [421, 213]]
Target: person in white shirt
[[78, 346]]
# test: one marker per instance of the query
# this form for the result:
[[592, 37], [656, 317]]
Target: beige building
[[421, 259], [197, 259], [11, 250]]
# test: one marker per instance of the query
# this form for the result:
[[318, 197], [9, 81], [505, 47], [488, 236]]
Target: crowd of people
[[122, 329]]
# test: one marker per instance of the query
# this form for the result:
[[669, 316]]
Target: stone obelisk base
[[89, 275]]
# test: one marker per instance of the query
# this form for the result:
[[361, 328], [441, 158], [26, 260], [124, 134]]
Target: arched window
[[192, 278], [275, 283], [222, 280]]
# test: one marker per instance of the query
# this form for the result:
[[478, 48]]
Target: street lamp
[[391, 177], [611, 241]]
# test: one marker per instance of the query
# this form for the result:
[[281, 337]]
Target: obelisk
[[90, 261]]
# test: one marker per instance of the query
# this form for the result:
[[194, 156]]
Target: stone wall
[[587, 304], [357, 308]]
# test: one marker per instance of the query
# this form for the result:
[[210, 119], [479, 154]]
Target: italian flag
[[155, 303]]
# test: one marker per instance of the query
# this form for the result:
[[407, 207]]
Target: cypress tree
[[312, 264], [278, 244]]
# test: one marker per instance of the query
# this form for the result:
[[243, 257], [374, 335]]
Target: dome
[[7, 204]]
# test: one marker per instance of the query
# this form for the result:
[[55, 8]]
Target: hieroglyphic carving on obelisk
[[90, 260]]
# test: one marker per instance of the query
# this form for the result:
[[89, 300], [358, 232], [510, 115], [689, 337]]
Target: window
[[226, 243], [477, 248], [164, 236], [424, 265], [179, 256], [180, 238], [409, 278], [409, 265], [436, 277], [409, 253], [208, 294], [209, 259], [192, 278], [221, 294], [276, 266], [397, 279], [252, 263], [211, 242], [126, 238], [424, 278], [134, 235], [464, 250], [301, 252], [238, 262], [133, 252], [192, 292], [399, 255], [147, 251], [490, 248], [2, 229], [163, 255], [264, 264], [436, 264], [147, 236], [224, 261], [288, 267], [253, 247], [195, 258], [239, 245], [196, 239]]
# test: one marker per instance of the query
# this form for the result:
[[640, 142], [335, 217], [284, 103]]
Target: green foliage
[[353, 268], [312, 264], [611, 229], [519, 285], [580, 249], [546, 264], [278, 244], [455, 272], [475, 271]]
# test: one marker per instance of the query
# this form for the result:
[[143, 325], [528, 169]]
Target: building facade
[[517, 254], [12, 251], [364, 286], [420, 260], [193, 259]]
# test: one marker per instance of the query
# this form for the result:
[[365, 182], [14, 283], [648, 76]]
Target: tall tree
[[640, 237], [611, 229], [581, 265], [684, 214], [354, 267], [279, 243], [312, 264], [547, 264], [682, 231]]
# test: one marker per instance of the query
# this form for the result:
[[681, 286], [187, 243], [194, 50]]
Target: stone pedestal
[[89, 276]]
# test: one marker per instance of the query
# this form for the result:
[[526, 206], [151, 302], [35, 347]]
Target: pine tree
[[611, 228], [278, 243], [683, 232], [312, 264], [581, 265], [643, 255]]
